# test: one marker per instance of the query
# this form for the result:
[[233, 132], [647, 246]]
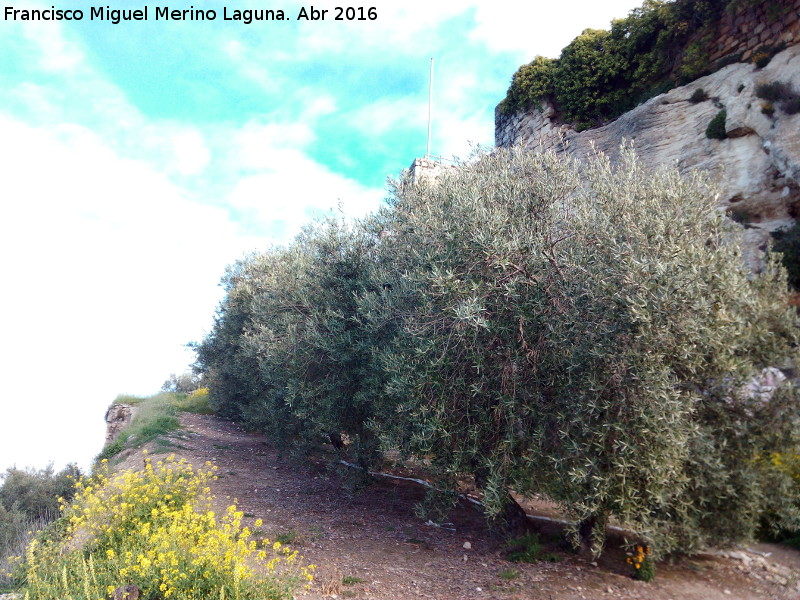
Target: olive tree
[[290, 354], [587, 333], [311, 330], [226, 357]]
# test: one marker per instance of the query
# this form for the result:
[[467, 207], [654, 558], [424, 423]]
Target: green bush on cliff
[[589, 79], [531, 84], [716, 127], [602, 74]]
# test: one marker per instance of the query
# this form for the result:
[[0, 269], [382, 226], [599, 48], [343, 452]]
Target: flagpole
[[430, 110]]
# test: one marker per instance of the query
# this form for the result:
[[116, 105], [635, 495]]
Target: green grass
[[529, 549], [509, 574], [129, 399], [350, 580], [286, 537], [156, 417], [197, 402]]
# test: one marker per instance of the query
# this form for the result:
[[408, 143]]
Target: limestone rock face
[[118, 416], [758, 165]]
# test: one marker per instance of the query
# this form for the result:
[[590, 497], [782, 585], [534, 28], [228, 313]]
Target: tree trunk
[[591, 528], [585, 529], [512, 520], [515, 522]]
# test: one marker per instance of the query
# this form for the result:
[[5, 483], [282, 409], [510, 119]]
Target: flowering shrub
[[644, 569], [196, 402], [155, 529]]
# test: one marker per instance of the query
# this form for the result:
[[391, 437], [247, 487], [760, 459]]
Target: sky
[[138, 159]]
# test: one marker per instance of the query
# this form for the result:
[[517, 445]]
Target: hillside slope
[[372, 541]]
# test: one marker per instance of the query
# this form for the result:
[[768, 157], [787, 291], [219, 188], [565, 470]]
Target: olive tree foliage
[[588, 337], [223, 357], [589, 333], [292, 332]]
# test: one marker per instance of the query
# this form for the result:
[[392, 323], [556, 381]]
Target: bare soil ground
[[370, 544]]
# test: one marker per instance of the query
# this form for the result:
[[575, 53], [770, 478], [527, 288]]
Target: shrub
[[530, 85], [197, 402], [774, 91], [716, 127], [791, 106], [780, 93], [602, 74], [699, 95], [314, 375], [155, 529], [35, 493], [16, 531], [184, 383], [763, 54], [787, 248], [644, 568], [237, 389], [761, 58], [29, 500]]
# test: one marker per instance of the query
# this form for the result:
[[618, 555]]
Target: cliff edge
[[758, 163]]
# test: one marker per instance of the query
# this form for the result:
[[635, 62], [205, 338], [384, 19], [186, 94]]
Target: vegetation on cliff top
[[602, 74], [156, 418], [596, 340]]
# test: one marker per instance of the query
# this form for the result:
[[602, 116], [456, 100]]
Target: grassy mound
[[156, 416]]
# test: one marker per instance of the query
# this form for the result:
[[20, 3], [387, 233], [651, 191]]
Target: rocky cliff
[[118, 416], [758, 163]]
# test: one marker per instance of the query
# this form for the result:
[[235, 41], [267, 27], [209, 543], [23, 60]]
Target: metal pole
[[430, 109]]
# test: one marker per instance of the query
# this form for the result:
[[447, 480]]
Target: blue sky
[[138, 160]]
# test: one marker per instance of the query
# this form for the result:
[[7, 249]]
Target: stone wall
[[766, 25]]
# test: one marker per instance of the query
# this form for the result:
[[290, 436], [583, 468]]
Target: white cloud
[[405, 28], [112, 244], [260, 145], [55, 52], [542, 28], [190, 151], [292, 188], [385, 117], [110, 270]]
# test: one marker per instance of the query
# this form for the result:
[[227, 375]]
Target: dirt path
[[373, 540]]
